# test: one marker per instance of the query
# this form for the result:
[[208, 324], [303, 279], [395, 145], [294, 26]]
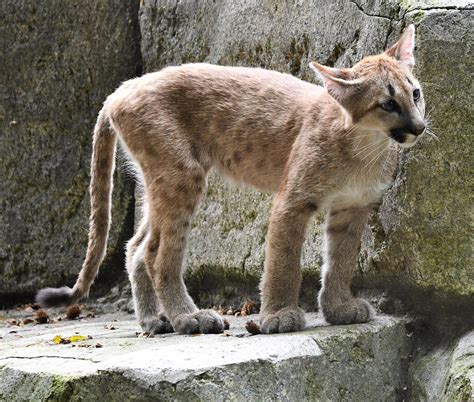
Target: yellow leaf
[[77, 338], [57, 339]]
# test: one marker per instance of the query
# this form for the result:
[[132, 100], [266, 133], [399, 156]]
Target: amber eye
[[416, 95], [389, 106]]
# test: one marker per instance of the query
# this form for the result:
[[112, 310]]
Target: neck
[[366, 145]]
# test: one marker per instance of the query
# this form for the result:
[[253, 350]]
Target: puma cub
[[331, 148]]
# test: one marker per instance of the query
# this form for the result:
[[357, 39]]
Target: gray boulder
[[226, 247], [445, 373], [417, 246], [59, 62]]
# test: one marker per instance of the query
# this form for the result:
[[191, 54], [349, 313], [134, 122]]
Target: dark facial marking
[[391, 90], [398, 134], [411, 83]]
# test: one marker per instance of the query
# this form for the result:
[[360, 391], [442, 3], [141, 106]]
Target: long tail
[[102, 169]]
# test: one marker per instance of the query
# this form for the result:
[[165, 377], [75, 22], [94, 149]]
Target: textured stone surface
[[420, 238], [424, 235], [445, 373], [59, 62], [321, 363]]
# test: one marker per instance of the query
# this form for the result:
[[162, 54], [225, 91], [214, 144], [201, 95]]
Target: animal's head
[[380, 92]]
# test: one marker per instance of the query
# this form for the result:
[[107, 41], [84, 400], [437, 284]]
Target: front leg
[[342, 235], [281, 280]]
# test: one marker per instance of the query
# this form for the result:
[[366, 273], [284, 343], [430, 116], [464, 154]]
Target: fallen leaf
[[72, 312], [41, 317], [58, 339], [249, 307], [219, 310], [253, 327], [27, 321], [77, 338]]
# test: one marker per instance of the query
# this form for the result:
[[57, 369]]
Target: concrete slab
[[356, 362]]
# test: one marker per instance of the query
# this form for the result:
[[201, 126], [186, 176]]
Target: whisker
[[373, 151], [351, 130], [429, 132], [371, 148], [357, 148], [374, 160], [427, 83], [369, 144], [361, 137], [366, 148]]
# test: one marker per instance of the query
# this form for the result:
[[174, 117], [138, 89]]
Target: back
[[243, 120]]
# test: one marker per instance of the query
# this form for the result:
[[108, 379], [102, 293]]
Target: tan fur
[[317, 149]]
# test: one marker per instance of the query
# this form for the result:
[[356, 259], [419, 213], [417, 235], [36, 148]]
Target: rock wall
[[62, 60], [59, 62], [421, 240], [417, 245]]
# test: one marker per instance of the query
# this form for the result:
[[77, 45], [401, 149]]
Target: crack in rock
[[49, 357], [375, 15], [408, 10]]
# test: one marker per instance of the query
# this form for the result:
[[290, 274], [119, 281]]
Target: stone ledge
[[356, 362]]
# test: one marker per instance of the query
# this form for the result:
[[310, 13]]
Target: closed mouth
[[398, 135], [403, 138]]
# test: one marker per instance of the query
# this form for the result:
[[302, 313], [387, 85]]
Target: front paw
[[289, 319], [352, 311], [203, 321], [156, 325]]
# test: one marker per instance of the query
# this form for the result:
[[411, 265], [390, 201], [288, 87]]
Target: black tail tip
[[52, 297]]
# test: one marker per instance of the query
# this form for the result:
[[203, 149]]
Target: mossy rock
[[63, 60], [419, 242]]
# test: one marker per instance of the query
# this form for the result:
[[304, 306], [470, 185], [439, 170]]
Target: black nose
[[419, 128]]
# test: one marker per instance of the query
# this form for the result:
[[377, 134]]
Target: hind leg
[[173, 198], [145, 300]]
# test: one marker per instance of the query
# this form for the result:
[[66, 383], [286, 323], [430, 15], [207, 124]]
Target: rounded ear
[[337, 81], [403, 49]]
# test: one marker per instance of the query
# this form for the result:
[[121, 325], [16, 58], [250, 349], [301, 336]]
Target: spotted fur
[[331, 148]]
